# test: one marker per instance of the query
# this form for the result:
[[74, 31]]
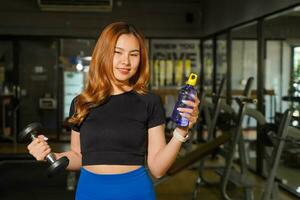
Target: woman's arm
[[161, 155], [74, 155], [39, 148]]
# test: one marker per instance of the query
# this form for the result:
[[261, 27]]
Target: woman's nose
[[125, 59]]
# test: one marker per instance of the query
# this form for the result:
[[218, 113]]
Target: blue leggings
[[133, 185]]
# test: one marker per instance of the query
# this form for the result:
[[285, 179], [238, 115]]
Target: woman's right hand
[[39, 148]]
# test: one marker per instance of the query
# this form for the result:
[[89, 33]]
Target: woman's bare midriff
[[111, 169]]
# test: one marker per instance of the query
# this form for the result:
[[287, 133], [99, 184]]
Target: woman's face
[[126, 57]]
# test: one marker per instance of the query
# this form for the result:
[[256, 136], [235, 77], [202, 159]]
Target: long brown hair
[[98, 86]]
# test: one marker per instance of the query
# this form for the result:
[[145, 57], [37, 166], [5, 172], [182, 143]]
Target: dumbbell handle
[[51, 157], [33, 136]]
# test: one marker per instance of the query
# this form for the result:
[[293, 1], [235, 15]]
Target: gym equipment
[[292, 157], [192, 157], [273, 152], [273, 136], [228, 151], [273, 158], [240, 178], [56, 165], [211, 114]]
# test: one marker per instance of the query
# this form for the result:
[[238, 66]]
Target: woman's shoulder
[[150, 97], [75, 98]]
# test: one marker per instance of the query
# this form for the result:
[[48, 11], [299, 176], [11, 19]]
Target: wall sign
[[172, 60]]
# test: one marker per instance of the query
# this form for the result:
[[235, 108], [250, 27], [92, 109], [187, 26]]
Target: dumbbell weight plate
[[58, 166], [25, 133]]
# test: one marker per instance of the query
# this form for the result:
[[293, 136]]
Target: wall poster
[[172, 60]]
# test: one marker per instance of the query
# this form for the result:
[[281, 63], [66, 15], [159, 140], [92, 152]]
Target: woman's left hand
[[190, 113]]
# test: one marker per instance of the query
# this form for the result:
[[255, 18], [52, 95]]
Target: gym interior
[[246, 143]]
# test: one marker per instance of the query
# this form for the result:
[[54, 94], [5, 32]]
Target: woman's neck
[[120, 90]]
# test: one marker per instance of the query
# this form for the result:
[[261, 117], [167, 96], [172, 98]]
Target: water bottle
[[186, 93]]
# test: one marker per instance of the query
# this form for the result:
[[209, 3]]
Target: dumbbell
[[56, 165]]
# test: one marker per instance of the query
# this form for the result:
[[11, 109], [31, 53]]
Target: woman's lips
[[124, 71]]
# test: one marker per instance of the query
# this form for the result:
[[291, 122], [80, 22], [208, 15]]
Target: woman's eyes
[[132, 54]]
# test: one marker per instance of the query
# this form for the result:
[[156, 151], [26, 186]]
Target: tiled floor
[[178, 187]]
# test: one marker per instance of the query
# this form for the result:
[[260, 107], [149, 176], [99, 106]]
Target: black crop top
[[115, 133]]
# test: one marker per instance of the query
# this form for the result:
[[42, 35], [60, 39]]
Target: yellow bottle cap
[[192, 79]]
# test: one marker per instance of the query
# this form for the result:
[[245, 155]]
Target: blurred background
[[46, 47]]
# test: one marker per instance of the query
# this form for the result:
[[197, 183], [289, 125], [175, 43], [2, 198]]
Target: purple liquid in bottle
[[188, 92]]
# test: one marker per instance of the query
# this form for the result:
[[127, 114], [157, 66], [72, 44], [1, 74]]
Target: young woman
[[117, 124]]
